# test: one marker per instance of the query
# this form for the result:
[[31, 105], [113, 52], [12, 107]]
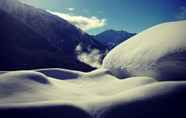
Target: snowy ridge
[[55, 29], [159, 47], [51, 38]]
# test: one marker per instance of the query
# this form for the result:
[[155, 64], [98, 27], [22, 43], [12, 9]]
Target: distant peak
[[112, 31]]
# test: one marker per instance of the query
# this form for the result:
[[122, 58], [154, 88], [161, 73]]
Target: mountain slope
[[32, 27], [112, 38], [22, 48], [158, 52]]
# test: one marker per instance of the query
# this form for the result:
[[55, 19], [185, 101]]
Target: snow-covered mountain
[[112, 38], [31, 29], [158, 52]]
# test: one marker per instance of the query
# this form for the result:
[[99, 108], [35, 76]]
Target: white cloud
[[92, 58], [182, 13], [84, 23], [70, 9]]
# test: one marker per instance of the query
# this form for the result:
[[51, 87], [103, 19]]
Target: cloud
[[84, 23], [93, 58], [182, 13], [70, 9]]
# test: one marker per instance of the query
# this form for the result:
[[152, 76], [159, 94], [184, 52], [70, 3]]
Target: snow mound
[[157, 100], [57, 84], [40, 93], [94, 95], [158, 52]]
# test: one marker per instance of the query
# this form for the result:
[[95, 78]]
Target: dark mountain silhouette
[[111, 38], [33, 38]]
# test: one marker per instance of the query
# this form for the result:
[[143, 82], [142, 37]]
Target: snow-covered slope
[[56, 30], [53, 40], [158, 52], [41, 93], [112, 38]]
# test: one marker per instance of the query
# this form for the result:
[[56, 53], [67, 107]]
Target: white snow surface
[[35, 86], [96, 94], [153, 52]]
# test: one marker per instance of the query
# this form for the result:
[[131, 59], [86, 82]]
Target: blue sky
[[95, 16]]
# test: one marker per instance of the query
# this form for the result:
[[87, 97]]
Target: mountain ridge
[[61, 38], [112, 38]]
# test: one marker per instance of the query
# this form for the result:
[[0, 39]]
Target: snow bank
[[44, 85], [158, 52], [157, 100], [94, 95]]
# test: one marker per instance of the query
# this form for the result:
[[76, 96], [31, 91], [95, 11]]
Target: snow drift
[[158, 52], [90, 95]]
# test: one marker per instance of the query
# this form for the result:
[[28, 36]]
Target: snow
[[31, 86], [153, 52], [53, 93], [94, 94]]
